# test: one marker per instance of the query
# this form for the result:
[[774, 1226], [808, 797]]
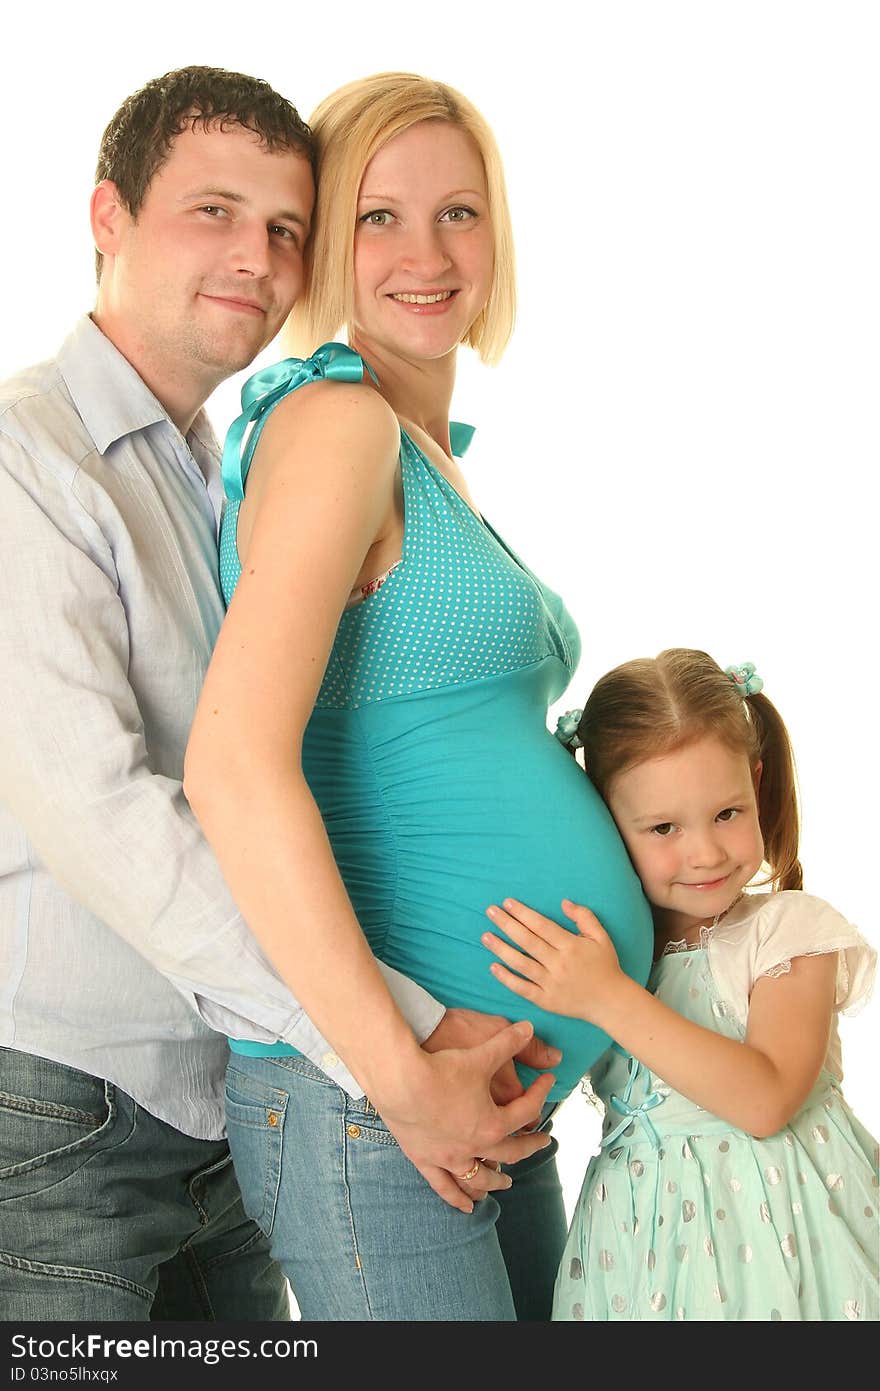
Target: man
[[125, 960]]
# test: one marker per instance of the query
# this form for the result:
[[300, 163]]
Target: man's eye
[[212, 209], [286, 233]]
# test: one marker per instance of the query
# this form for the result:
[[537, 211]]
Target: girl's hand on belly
[[570, 973]]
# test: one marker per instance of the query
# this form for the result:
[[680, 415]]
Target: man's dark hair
[[138, 139]]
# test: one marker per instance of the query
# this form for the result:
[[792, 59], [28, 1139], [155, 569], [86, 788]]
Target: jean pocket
[[255, 1116], [43, 1136]]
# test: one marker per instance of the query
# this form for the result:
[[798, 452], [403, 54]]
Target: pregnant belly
[[444, 803]]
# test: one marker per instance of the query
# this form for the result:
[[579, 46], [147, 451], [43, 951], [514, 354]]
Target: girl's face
[[690, 823], [424, 246]]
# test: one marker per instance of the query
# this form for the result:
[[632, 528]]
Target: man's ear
[[108, 216]]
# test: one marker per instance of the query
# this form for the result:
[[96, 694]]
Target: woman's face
[[424, 246]]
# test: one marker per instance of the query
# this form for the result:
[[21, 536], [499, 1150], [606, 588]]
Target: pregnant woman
[[384, 652]]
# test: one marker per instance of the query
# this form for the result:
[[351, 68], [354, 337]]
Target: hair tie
[[745, 678], [567, 728]]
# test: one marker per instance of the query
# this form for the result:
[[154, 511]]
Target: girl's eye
[[664, 828], [458, 214], [377, 218], [727, 814]]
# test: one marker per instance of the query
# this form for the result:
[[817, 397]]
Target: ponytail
[[777, 795]]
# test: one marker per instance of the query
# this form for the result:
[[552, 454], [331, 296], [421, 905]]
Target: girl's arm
[[322, 489], [757, 1085]]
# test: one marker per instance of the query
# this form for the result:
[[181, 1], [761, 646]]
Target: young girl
[[733, 1181]]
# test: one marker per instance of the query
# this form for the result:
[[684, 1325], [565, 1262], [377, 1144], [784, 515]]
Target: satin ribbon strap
[[460, 436], [266, 388]]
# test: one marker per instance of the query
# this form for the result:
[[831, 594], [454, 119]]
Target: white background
[[682, 436]]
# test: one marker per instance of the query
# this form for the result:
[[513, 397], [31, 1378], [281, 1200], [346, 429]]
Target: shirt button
[[354, 1131]]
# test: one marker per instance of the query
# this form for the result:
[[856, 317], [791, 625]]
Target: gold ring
[[471, 1173]]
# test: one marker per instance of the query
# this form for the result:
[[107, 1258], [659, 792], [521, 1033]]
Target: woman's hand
[[450, 1127], [571, 973], [462, 1028]]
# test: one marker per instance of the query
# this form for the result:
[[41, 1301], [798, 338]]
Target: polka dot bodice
[[428, 753]]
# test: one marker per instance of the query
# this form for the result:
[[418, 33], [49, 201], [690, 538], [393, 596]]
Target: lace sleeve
[[797, 924]]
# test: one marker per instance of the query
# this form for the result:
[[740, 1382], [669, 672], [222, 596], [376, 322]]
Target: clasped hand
[[470, 1106]]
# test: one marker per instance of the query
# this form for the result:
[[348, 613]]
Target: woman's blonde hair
[[655, 706], [349, 127]]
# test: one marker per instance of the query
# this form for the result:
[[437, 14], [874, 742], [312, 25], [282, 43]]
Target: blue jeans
[[357, 1230], [108, 1213]]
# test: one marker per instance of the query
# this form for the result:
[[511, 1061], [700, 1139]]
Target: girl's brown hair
[[655, 706]]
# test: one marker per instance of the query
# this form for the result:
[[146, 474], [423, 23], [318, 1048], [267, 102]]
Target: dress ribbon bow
[[621, 1104], [265, 389]]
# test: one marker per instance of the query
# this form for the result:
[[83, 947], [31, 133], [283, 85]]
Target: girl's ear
[[756, 776]]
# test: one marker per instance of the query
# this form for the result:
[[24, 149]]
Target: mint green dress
[[683, 1216]]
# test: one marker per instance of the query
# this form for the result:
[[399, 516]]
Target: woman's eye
[[663, 828], [377, 218], [727, 814], [459, 214]]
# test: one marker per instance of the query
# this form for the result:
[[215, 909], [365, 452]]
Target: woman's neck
[[418, 392]]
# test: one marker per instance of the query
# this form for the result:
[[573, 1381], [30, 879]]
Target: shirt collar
[[112, 400]]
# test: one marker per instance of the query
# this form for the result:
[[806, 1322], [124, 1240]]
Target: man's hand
[[446, 1119], [462, 1028]]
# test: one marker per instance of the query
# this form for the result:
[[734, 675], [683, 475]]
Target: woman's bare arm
[[323, 484]]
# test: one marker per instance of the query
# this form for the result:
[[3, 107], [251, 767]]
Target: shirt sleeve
[[796, 924], [116, 834]]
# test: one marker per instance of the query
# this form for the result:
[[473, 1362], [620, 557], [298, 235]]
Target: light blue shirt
[[121, 950]]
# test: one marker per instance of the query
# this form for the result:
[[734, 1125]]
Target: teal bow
[[621, 1104], [265, 389], [746, 678]]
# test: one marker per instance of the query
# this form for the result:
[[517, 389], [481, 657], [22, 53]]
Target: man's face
[[203, 277]]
